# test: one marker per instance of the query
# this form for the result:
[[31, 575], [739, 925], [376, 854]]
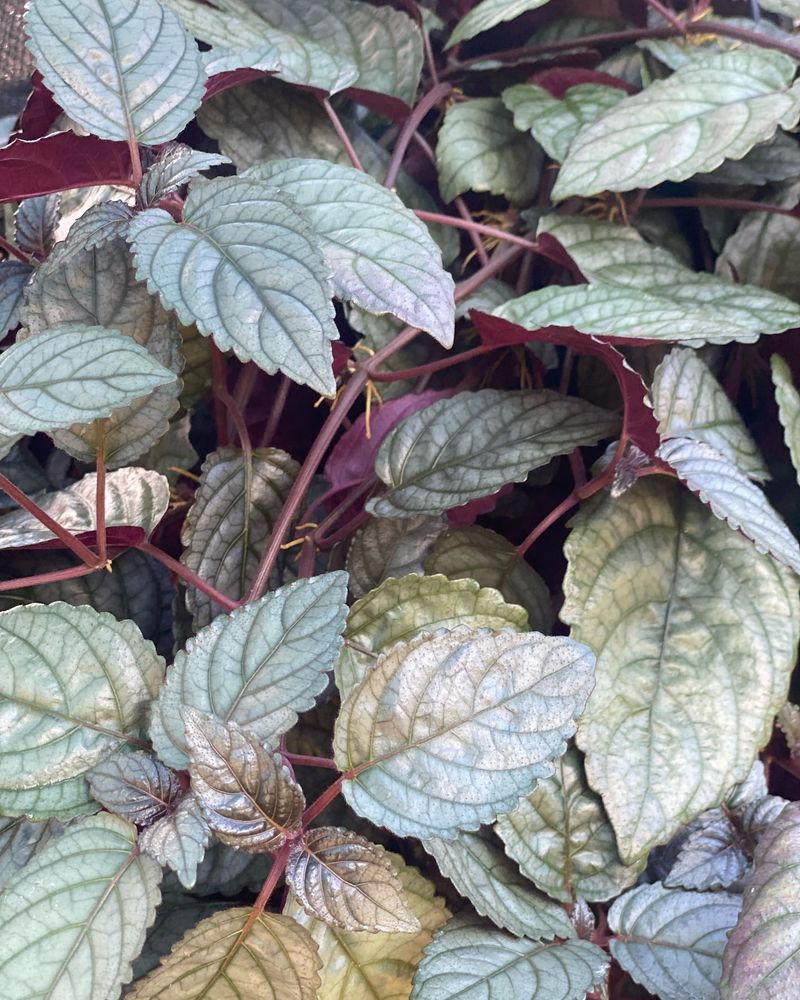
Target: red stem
[[100, 492], [322, 803], [435, 366], [478, 227], [220, 387], [412, 123], [136, 161], [13, 251], [669, 15], [477, 243], [343, 136], [54, 577], [271, 881], [306, 761], [712, 202], [83, 552], [276, 412], [188, 575]]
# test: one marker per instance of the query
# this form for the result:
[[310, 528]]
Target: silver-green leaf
[[176, 165], [179, 839], [135, 786], [14, 275], [386, 547], [711, 857], [788, 400], [487, 14]]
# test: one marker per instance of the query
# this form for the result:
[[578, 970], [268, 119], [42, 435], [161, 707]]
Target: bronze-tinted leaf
[[135, 786]]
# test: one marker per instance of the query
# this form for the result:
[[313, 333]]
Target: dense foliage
[[399, 574]]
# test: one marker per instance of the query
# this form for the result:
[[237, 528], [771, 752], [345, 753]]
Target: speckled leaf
[[14, 275], [344, 880], [258, 666], [470, 961], [276, 960], [562, 840], [100, 224], [478, 868], [788, 400], [762, 956], [76, 915], [127, 69], [689, 402], [248, 795], [387, 547], [710, 110], [20, 839], [179, 839], [711, 857], [135, 786], [672, 941], [374, 965], [245, 266], [35, 223], [61, 800], [231, 518], [75, 684], [480, 554], [485, 714], [176, 165], [487, 14], [683, 613], [399, 609], [479, 149], [468, 446]]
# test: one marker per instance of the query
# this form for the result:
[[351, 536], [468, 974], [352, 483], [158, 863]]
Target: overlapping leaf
[[177, 914], [19, 841], [14, 275], [788, 400], [468, 446], [75, 685], [399, 609], [244, 266], [214, 961], [683, 613], [562, 840], [487, 14], [672, 941], [478, 868], [35, 224], [709, 110], [386, 547], [468, 959], [179, 839], [143, 79], [232, 515], [99, 224], [257, 667], [711, 857], [248, 796], [75, 916], [135, 786], [485, 714], [60, 800], [176, 165]]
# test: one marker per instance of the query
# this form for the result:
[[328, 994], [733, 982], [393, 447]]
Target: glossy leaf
[[788, 400], [479, 149], [235, 266], [135, 786], [76, 684], [400, 609], [19, 841], [386, 547], [232, 515], [672, 941], [344, 880], [179, 839], [75, 916], [213, 961], [762, 956], [127, 69], [480, 554], [374, 965], [562, 840], [134, 498], [72, 375], [689, 402], [477, 867], [485, 714], [467, 447], [487, 14], [731, 496], [710, 110], [257, 667], [248, 796], [469, 960], [381, 256], [176, 165], [711, 857], [683, 613], [14, 275]]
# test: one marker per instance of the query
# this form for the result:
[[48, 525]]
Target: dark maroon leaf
[[40, 111]]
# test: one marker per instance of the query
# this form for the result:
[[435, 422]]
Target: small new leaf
[[711, 857], [176, 165], [135, 786], [179, 840]]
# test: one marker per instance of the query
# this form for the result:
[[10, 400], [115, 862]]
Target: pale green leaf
[[231, 518], [789, 8], [480, 554], [374, 966], [35, 223], [778, 159], [731, 496], [7, 442], [179, 839], [689, 402], [381, 255], [788, 400], [73, 374], [388, 547], [135, 786], [121, 69], [710, 110], [562, 840], [276, 960], [76, 684], [478, 868], [762, 956], [258, 666], [134, 497], [555, 121], [479, 149], [245, 266], [468, 446], [76, 915], [400, 609], [711, 857], [342, 879], [20, 839], [682, 613], [487, 14], [470, 961], [672, 941], [789, 723], [14, 275], [484, 715], [62, 800], [176, 165]]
